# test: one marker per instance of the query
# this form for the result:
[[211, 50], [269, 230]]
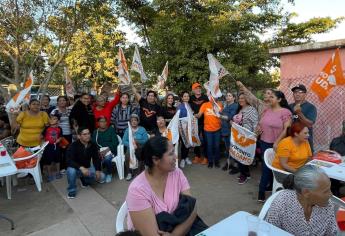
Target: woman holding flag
[[248, 117]]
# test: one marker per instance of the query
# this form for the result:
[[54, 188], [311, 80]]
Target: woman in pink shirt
[[157, 189], [272, 128]]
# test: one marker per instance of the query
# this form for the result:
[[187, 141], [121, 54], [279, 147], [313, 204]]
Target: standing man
[[149, 109], [303, 110], [196, 100], [79, 156]]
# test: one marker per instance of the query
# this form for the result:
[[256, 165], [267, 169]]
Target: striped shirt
[[248, 118], [64, 120], [120, 117]]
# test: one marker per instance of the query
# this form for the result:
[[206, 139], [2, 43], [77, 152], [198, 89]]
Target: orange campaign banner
[[330, 76], [242, 144]]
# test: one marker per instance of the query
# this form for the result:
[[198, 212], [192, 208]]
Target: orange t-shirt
[[211, 121], [297, 155]]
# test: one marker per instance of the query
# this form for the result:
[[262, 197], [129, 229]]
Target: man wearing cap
[[303, 110], [196, 100]]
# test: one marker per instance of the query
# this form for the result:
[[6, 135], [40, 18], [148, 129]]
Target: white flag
[[137, 65], [133, 162], [217, 71], [122, 68], [215, 105], [14, 104], [163, 77], [173, 131], [70, 92]]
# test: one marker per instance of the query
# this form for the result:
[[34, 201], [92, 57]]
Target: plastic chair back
[[267, 205], [121, 218]]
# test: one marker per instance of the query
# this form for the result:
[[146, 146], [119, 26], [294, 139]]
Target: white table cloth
[[7, 168], [236, 224], [334, 171]]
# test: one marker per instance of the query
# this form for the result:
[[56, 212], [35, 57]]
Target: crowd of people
[[83, 134]]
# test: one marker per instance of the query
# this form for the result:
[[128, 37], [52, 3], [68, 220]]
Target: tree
[[184, 31], [93, 51], [33, 30]]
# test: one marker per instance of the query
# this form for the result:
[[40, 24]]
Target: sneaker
[[71, 195], [233, 171], [204, 161], [50, 178], [58, 176], [210, 165], [83, 184], [108, 178], [261, 197], [225, 167], [102, 180], [243, 179], [188, 161], [182, 164], [129, 177], [196, 160], [216, 164], [63, 171]]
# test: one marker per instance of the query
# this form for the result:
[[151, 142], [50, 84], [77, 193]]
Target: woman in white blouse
[[305, 209]]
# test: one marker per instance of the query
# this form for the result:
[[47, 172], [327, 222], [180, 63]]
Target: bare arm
[[137, 95], [145, 222], [252, 99], [283, 133], [284, 163]]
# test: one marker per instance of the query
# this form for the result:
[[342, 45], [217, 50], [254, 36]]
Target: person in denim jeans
[[212, 127], [79, 156]]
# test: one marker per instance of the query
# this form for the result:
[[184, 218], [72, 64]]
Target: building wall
[[303, 68]]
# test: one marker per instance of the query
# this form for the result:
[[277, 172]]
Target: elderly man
[[303, 110]]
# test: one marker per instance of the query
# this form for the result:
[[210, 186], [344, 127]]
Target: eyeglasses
[[298, 91]]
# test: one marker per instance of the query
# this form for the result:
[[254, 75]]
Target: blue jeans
[[267, 175], [213, 142], [106, 162], [73, 174]]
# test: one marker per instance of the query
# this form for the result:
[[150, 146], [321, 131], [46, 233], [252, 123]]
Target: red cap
[[195, 85]]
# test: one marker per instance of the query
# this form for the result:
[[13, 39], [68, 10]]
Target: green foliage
[[93, 50], [183, 32]]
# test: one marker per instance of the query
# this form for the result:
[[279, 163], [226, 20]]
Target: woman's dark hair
[[183, 93], [155, 147], [46, 96], [165, 103], [151, 91], [129, 233], [34, 100], [239, 106], [127, 94], [4, 118], [83, 94], [283, 102]]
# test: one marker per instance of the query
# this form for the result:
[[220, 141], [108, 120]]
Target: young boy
[[52, 153]]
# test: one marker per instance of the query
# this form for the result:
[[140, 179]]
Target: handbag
[[103, 151]]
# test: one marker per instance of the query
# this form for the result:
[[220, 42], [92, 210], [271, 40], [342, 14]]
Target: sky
[[306, 9]]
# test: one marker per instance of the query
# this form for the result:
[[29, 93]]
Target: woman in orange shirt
[[212, 127], [293, 151]]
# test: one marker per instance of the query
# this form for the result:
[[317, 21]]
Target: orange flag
[[330, 76]]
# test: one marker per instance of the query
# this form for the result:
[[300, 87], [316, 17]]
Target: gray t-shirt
[[310, 112]]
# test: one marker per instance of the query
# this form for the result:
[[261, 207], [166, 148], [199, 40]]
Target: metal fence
[[330, 112]]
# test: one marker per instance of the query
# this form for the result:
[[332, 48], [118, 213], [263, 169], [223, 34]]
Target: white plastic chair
[[35, 171], [176, 153], [267, 205], [119, 139], [268, 158], [121, 218]]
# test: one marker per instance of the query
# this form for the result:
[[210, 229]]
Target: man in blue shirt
[[303, 111]]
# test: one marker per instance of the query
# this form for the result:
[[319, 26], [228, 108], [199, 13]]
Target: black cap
[[300, 87]]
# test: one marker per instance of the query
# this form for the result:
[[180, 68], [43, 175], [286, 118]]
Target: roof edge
[[316, 46]]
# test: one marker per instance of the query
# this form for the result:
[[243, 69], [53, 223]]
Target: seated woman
[[105, 138], [305, 208], [140, 136], [293, 151], [157, 189], [161, 129]]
